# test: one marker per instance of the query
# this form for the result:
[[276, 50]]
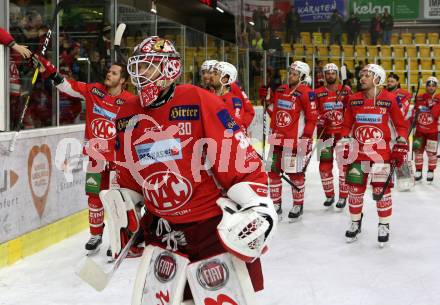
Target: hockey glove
[[47, 69], [343, 146], [400, 152]]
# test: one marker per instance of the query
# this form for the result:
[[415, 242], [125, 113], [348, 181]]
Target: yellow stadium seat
[[426, 64], [399, 64], [361, 51], [411, 51], [348, 51], [414, 65], [433, 38], [298, 49], [420, 38], [344, 38], [317, 38], [426, 74], [327, 38], [286, 47], [305, 37], [366, 38], [401, 76], [436, 51], [385, 51], [399, 51], [394, 38], [310, 49], [425, 52], [406, 38], [335, 50], [413, 77], [372, 52], [323, 50], [350, 64], [386, 64]]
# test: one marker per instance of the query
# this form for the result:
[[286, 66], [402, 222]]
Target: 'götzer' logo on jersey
[[185, 112], [367, 118], [103, 129], [283, 104], [101, 111], [159, 151]]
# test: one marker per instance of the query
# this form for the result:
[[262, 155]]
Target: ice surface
[[309, 262]]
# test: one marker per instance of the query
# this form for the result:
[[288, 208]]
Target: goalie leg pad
[[161, 277], [221, 279], [120, 207]]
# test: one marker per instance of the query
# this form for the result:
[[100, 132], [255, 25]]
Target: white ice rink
[[309, 262]]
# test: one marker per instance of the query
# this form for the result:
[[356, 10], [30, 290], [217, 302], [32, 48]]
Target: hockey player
[[294, 105], [248, 109], [164, 142], [425, 138], [404, 97], [331, 100], [205, 73], [103, 102], [367, 119], [223, 76]]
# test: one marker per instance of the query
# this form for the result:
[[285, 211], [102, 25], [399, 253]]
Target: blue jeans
[[386, 39]]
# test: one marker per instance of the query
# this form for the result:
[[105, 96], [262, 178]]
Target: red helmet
[[154, 66]]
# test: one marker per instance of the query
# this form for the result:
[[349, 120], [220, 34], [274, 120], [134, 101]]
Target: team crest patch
[[226, 120], [185, 113]]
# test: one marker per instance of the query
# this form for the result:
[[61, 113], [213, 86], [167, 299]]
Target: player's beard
[[331, 81], [391, 88]]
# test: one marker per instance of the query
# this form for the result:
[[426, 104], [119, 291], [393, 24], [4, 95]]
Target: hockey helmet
[[226, 69], [378, 73], [208, 65], [330, 67], [433, 80], [302, 68]]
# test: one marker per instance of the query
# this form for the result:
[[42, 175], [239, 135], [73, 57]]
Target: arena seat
[[385, 51], [318, 39], [399, 63], [406, 38], [426, 63], [348, 50], [310, 49], [386, 63], [350, 64], [433, 38], [411, 51], [286, 47], [420, 38], [395, 38], [361, 51], [425, 51], [323, 50], [398, 51], [298, 49], [305, 37], [372, 52], [335, 50], [366, 38], [436, 51]]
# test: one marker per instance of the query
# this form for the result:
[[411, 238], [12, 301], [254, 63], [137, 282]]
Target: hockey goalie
[[209, 215]]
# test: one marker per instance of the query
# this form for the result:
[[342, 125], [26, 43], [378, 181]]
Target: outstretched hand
[[22, 50]]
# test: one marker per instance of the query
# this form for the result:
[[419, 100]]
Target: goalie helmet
[[330, 67], [154, 66], [208, 65], [302, 68], [226, 69], [378, 73], [246, 233]]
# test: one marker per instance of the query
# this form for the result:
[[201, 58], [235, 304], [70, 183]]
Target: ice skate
[[354, 230], [296, 212], [340, 205], [383, 234], [418, 176], [329, 201], [279, 210], [93, 244], [430, 177]]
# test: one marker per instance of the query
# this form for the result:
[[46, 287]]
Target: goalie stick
[[94, 275], [60, 6], [379, 196]]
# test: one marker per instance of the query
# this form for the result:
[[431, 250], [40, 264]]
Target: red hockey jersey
[[427, 109], [330, 110], [234, 104], [101, 112], [248, 109], [369, 124], [5, 38], [404, 100], [294, 114], [181, 155]]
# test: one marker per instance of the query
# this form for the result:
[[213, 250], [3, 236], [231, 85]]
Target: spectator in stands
[[292, 24], [257, 42], [353, 25], [375, 27], [260, 20], [274, 43], [387, 24], [336, 25], [276, 21], [32, 29], [319, 74]]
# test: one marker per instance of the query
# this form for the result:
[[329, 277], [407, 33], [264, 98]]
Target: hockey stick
[[60, 6], [379, 196], [117, 43], [94, 275]]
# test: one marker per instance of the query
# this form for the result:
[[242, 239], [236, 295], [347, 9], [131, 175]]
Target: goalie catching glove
[[249, 220]]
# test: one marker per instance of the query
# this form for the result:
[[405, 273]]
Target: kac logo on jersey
[[212, 274], [283, 119], [425, 118], [226, 120], [283, 104], [105, 113], [166, 191], [185, 112], [159, 151], [368, 118], [165, 267], [368, 134], [103, 129]]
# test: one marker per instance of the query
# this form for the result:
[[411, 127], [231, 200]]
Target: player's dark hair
[[393, 75], [124, 73]]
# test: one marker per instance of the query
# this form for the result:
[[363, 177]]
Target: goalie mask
[[246, 233], [154, 66]]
